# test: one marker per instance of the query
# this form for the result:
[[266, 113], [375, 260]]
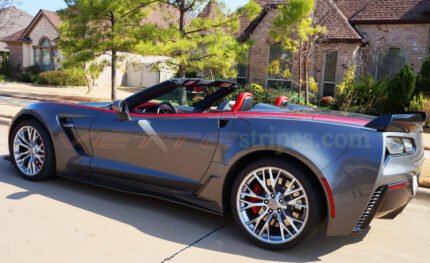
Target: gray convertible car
[[280, 172]]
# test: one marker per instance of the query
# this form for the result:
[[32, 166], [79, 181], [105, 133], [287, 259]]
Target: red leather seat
[[281, 101], [244, 102]]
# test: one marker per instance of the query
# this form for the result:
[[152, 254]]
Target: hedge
[[61, 78]]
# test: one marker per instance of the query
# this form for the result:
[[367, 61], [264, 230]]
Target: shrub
[[366, 95], [417, 103], [24, 77], [401, 89], [62, 78], [423, 79], [6, 69], [32, 70], [268, 95], [327, 101], [2, 78]]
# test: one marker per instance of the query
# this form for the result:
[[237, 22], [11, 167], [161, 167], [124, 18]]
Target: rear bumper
[[387, 202], [395, 199]]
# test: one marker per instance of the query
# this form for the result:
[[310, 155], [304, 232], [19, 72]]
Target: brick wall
[[259, 52], [259, 56], [414, 38], [15, 54], [347, 54]]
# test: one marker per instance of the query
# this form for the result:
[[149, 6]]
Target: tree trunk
[[305, 72], [113, 75], [113, 61], [183, 91], [182, 68], [300, 75]]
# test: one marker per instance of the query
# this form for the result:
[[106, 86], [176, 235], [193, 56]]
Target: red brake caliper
[[257, 190]]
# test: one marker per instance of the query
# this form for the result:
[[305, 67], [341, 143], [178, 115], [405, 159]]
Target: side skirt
[[132, 187]]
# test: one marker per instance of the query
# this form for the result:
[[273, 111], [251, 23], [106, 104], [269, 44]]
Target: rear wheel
[[275, 204], [31, 151]]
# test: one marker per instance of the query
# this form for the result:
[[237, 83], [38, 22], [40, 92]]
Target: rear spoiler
[[407, 122]]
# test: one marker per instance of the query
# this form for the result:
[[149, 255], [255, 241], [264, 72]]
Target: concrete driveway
[[65, 221]]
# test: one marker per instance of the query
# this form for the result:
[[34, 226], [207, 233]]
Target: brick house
[[381, 36], [35, 45]]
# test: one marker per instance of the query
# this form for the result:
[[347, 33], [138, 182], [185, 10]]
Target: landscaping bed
[[425, 175]]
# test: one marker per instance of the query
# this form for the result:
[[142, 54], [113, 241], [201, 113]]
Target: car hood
[[97, 104]]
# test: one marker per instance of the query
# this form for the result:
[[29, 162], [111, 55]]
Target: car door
[[167, 150]]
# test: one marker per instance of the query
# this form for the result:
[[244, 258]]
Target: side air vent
[[370, 210], [69, 130]]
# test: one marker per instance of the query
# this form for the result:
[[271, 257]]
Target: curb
[[423, 194], [7, 116]]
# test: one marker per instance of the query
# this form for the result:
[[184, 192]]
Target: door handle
[[222, 123]]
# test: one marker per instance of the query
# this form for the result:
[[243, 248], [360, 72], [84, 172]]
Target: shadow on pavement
[[160, 219]]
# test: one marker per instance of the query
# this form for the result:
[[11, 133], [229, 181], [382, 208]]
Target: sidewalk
[[14, 96], [36, 92]]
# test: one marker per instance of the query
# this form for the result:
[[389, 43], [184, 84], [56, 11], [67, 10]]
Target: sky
[[33, 6]]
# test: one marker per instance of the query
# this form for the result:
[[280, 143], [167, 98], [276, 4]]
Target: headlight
[[397, 145]]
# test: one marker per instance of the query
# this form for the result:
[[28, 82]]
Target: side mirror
[[121, 107]]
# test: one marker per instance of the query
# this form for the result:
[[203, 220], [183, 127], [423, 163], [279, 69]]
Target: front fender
[[68, 161]]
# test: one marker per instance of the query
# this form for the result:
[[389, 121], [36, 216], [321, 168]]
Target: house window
[[329, 82], [46, 53], [36, 56], [242, 73], [278, 54], [390, 62]]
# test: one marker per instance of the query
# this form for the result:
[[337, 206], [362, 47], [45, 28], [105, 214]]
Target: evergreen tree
[[197, 36], [93, 28]]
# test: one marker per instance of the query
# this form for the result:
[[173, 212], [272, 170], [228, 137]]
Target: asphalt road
[[66, 221]]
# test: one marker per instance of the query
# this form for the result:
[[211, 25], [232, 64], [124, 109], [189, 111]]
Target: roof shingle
[[53, 17], [394, 11], [351, 7], [338, 28]]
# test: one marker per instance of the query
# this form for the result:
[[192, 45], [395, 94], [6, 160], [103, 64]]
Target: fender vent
[[370, 210], [68, 128]]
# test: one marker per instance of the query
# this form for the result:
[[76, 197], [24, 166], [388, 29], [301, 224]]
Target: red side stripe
[[242, 114]]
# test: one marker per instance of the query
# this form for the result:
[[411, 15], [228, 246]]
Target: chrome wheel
[[28, 150], [272, 205]]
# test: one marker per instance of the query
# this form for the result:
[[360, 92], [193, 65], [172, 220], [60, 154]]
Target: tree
[[4, 5], [423, 79], [196, 42], [401, 89], [93, 28], [296, 28]]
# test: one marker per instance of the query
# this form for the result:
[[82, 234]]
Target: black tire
[[48, 168], [315, 204]]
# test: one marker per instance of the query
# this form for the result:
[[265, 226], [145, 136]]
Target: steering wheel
[[171, 109]]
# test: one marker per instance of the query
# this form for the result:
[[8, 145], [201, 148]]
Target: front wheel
[[275, 203], [31, 151]]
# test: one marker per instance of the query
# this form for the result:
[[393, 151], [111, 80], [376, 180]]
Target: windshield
[[194, 95]]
